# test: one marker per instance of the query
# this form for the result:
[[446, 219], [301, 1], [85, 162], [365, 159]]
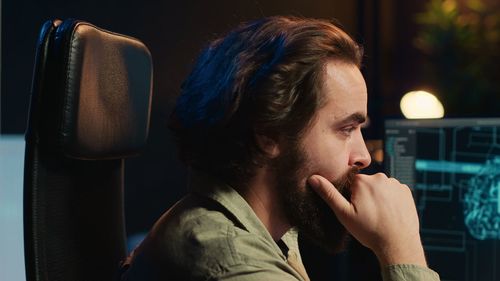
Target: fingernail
[[313, 181]]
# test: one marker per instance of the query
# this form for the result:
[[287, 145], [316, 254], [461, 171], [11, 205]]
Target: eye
[[347, 130]]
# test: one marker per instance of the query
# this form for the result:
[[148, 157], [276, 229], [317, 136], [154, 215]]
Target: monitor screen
[[453, 168]]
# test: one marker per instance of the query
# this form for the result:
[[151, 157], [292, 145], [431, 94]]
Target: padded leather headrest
[[104, 81]]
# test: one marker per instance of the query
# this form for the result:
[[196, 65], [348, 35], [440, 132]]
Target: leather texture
[[103, 84], [89, 110]]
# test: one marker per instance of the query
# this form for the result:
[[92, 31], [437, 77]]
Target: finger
[[328, 192]]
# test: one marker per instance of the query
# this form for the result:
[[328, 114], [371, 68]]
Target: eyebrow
[[355, 117]]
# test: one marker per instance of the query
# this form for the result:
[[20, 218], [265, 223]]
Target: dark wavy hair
[[264, 77]]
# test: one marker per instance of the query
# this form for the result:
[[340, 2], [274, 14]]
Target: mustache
[[343, 184]]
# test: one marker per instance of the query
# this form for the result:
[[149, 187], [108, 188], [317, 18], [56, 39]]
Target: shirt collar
[[230, 199]]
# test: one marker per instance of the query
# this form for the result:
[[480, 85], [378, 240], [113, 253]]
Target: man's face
[[332, 147]]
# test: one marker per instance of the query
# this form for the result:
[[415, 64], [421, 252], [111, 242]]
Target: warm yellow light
[[421, 105]]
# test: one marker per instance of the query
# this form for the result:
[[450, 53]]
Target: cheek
[[326, 153], [329, 160]]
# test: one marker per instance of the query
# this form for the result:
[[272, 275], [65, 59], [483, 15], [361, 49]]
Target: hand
[[381, 215]]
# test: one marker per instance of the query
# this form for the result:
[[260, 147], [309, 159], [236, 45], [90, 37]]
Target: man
[[269, 122]]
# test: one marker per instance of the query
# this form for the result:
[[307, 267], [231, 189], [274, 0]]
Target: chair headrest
[[104, 81]]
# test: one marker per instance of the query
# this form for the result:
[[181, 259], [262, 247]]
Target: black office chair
[[89, 110]]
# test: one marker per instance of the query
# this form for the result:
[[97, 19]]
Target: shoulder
[[199, 238], [206, 232]]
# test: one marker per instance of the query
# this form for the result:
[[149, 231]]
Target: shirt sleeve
[[408, 272], [250, 273]]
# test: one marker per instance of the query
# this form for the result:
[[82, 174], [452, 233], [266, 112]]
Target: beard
[[304, 208]]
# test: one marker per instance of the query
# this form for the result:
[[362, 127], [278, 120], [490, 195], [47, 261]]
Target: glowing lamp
[[421, 105]]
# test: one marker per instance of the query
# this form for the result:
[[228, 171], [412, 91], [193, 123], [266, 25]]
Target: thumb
[[328, 192]]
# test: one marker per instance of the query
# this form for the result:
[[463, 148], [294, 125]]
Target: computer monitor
[[453, 168]]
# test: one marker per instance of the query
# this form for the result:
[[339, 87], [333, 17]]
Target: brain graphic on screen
[[482, 202]]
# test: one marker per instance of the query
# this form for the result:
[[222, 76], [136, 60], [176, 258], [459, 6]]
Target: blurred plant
[[461, 41]]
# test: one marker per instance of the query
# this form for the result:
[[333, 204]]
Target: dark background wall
[[175, 31]]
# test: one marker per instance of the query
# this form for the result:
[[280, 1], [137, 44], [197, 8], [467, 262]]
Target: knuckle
[[394, 180], [407, 188]]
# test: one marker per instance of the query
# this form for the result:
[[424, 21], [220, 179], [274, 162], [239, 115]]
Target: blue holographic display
[[453, 167], [447, 166], [482, 202]]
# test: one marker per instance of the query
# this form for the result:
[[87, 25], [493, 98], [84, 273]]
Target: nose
[[360, 156]]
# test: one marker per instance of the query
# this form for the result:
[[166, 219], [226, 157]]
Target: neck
[[263, 197]]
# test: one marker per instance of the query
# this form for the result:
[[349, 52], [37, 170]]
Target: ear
[[268, 145]]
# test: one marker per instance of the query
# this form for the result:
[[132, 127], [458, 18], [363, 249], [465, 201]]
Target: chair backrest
[[90, 107]]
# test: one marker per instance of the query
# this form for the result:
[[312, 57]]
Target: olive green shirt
[[213, 234]]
